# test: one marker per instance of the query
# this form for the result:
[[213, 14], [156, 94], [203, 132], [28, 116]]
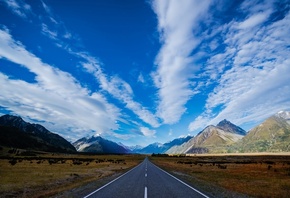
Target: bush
[[13, 162], [77, 162], [159, 155]]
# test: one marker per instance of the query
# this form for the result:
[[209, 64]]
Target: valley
[[239, 175], [222, 160], [144, 98], [41, 174]]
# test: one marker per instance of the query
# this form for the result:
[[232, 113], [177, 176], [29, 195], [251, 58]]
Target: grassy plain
[[46, 174], [242, 175]]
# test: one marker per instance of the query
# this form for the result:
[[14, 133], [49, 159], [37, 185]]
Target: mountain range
[[213, 139], [161, 148], [99, 145], [16, 133], [273, 135]]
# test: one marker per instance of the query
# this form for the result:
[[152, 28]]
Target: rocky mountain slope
[[212, 139], [16, 133], [97, 144], [227, 126], [273, 135]]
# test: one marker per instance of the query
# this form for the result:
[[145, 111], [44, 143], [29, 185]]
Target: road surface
[[146, 181]]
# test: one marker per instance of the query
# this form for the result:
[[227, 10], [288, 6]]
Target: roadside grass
[[48, 174], [253, 176]]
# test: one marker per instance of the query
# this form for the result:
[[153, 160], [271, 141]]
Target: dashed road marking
[[145, 192], [113, 181]]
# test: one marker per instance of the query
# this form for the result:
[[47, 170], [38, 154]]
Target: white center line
[[145, 174], [112, 181], [145, 193]]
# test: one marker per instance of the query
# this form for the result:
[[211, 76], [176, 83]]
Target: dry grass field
[[46, 175], [31, 174], [246, 175]]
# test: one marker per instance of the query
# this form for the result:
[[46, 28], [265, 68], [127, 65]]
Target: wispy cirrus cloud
[[177, 23], [56, 98], [54, 28], [119, 89], [18, 7], [47, 32], [141, 78], [255, 84]]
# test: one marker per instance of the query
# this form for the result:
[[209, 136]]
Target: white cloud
[[141, 78], [200, 122], [56, 97], [147, 132], [49, 13], [170, 133], [67, 35], [47, 32], [257, 83], [254, 20], [18, 7], [46, 8], [113, 85], [55, 29], [120, 90], [177, 20]]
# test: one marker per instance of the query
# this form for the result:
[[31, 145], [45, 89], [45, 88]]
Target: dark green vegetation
[[273, 135], [232, 175], [16, 133]]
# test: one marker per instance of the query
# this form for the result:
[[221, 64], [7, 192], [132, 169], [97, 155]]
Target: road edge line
[[182, 182], [111, 181]]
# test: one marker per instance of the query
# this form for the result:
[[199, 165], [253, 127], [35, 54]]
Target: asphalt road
[[146, 181]]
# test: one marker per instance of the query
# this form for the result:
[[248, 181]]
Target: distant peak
[[184, 136], [224, 121], [283, 114], [10, 117], [230, 127], [17, 120]]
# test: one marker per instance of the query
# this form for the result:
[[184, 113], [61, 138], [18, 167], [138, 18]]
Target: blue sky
[[139, 72]]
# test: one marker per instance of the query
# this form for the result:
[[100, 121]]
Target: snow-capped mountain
[[283, 115], [97, 144], [162, 148]]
